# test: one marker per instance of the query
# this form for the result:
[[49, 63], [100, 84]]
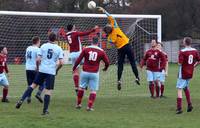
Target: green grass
[[129, 108]]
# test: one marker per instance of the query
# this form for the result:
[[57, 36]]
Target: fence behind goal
[[17, 29]]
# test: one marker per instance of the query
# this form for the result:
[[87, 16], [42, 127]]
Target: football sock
[[179, 103], [151, 89], [27, 93], [157, 90], [46, 102], [91, 99], [5, 93], [76, 80], [162, 88], [80, 96], [40, 89], [187, 94]]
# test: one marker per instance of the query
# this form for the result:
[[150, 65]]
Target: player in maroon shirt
[[92, 56], [4, 69], [163, 73], [188, 58], [153, 67], [73, 39]]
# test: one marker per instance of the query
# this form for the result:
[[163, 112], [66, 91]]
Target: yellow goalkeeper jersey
[[117, 37]]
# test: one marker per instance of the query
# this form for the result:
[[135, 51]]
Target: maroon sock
[[162, 88], [179, 103], [91, 99], [5, 93], [187, 94], [157, 90], [80, 96], [76, 80], [151, 89]]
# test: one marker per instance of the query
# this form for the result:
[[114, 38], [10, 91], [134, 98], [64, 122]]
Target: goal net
[[17, 29]]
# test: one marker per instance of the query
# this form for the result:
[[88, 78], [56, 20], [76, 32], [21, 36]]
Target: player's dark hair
[[35, 39], [107, 29], [52, 37], [70, 27], [95, 40], [188, 41], [1, 47]]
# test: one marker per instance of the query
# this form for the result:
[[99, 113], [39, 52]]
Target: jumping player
[[121, 41], [92, 56], [188, 57], [73, 38], [153, 67], [31, 68], [163, 73], [4, 69], [50, 60]]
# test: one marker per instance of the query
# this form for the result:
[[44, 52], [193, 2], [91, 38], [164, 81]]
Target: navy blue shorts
[[30, 76], [47, 78]]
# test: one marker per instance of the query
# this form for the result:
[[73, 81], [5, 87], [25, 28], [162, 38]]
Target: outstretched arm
[[87, 32], [111, 19]]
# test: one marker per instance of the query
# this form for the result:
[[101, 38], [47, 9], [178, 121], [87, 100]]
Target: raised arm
[[111, 19], [86, 32]]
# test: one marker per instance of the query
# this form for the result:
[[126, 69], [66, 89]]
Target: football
[[91, 5]]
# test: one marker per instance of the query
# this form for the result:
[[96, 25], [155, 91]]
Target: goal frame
[[22, 13]]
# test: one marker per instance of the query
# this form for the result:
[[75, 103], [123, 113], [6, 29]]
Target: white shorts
[[73, 56], [152, 76], [89, 79], [3, 80], [162, 77], [182, 83]]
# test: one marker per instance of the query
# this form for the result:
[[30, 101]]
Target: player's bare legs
[[179, 101], [27, 93], [80, 95]]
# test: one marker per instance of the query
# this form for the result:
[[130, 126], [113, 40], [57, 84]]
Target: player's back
[[187, 59], [50, 54], [92, 57], [74, 41], [31, 55]]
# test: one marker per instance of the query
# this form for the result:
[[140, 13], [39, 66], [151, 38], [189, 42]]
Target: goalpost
[[17, 29]]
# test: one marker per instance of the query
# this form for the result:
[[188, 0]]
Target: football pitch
[[130, 108]]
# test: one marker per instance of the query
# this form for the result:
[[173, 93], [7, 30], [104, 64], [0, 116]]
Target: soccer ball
[[91, 5]]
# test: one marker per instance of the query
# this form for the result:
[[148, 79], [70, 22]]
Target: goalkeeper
[[121, 41]]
